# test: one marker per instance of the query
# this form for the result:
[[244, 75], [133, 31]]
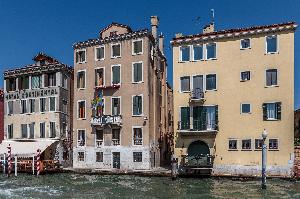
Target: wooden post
[[16, 165], [4, 163], [38, 166], [33, 164], [9, 160]]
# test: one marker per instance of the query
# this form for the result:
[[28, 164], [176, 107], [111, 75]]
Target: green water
[[107, 186]]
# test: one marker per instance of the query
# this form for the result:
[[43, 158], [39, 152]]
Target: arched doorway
[[198, 148]]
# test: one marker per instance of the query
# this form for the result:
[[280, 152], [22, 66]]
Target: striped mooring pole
[[9, 160], [38, 163]]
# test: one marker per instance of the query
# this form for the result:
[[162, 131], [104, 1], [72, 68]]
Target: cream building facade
[[229, 86]]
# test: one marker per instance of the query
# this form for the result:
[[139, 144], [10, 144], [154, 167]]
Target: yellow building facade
[[229, 86]]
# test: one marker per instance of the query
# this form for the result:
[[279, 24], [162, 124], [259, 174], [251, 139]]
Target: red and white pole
[[38, 163], [9, 160]]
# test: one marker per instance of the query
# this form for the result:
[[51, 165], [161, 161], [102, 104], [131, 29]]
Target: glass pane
[[185, 53], [116, 74], [272, 44], [211, 50], [198, 52], [210, 82]]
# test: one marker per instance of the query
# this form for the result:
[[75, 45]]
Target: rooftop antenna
[[213, 15]]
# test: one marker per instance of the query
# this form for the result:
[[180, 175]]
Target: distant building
[[1, 115], [297, 124], [120, 117], [229, 86], [38, 109]]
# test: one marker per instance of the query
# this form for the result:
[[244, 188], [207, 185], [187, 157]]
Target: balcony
[[115, 142], [198, 126], [113, 86], [99, 143], [197, 95], [106, 119]]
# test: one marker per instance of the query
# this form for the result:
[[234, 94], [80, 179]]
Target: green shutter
[[265, 115], [278, 108], [197, 117], [140, 105], [135, 73], [134, 104], [116, 74], [185, 117]]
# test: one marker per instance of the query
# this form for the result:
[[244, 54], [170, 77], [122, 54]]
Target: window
[[99, 156], [245, 108], [99, 137], [81, 79], [271, 77], [52, 79], [197, 52], [52, 130], [80, 56], [23, 82], [42, 130], [65, 106], [232, 144], [116, 74], [24, 130], [185, 84], [271, 44], [99, 111], [115, 137], [116, 106], [137, 136], [10, 131], [185, 53], [245, 75], [52, 104], [211, 81], [100, 53], [273, 144], [10, 84], [64, 81], [81, 138], [42, 105], [137, 72], [80, 156], [23, 106], [245, 44], [204, 118], [31, 105], [137, 103], [36, 81], [10, 107], [99, 73], [137, 156], [246, 144], [211, 51], [272, 111], [31, 130], [115, 50], [137, 47], [184, 118], [81, 110], [258, 143]]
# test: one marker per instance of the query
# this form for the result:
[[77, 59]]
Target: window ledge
[[271, 53], [81, 89], [257, 149], [100, 59], [184, 91], [245, 48], [138, 115], [246, 150], [133, 54], [232, 150], [211, 59], [272, 120], [183, 61], [272, 86], [273, 149], [115, 57], [212, 90], [81, 118], [81, 62], [246, 113], [138, 82], [246, 80]]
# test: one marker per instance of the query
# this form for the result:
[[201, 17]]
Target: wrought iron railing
[[197, 94], [197, 161], [115, 142], [198, 125]]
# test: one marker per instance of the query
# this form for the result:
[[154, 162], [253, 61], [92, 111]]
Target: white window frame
[[132, 47], [242, 80], [266, 45], [41, 106], [120, 139], [54, 102], [95, 49], [180, 90], [180, 54], [137, 127], [133, 157], [193, 53], [44, 130], [84, 70], [96, 138], [256, 149], [84, 53], [269, 144], [241, 108], [62, 81], [111, 102], [132, 75], [78, 118], [206, 51], [237, 146], [84, 155], [277, 85], [96, 157], [251, 144], [103, 68], [272, 102], [111, 74], [84, 138], [216, 82], [7, 132], [241, 47], [49, 133], [21, 107], [111, 50], [142, 114], [7, 106]]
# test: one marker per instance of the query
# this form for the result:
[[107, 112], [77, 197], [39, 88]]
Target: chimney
[[161, 43], [154, 26], [209, 28]]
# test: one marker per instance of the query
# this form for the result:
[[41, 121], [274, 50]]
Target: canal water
[[122, 186]]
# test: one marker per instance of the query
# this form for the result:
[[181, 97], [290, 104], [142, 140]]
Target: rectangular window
[[99, 156], [185, 118], [211, 51], [31, 105], [99, 137], [245, 44], [245, 75], [80, 56], [197, 52], [185, 53], [205, 118], [116, 74], [245, 108], [100, 53], [137, 103], [31, 130], [137, 47], [271, 77], [246, 144], [10, 131], [24, 130], [211, 82], [272, 44], [10, 84], [99, 73], [23, 82], [10, 107], [137, 72], [52, 104], [36, 81], [232, 144], [99, 111], [52, 130], [258, 143], [81, 109], [42, 130], [115, 50], [116, 106], [137, 136], [64, 81], [115, 137], [272, 111], [52, 79], [273, 144], [80, 156], [81, 79], [185, 84], [42, 105], [137, 156], [81, 138], [23, 106], [65, 106]]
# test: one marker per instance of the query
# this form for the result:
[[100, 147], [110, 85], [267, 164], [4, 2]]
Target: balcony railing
[[99, 143], [115, 142], [106, 119], [197, 161], [198, 126], [138, 141], [197, 95]]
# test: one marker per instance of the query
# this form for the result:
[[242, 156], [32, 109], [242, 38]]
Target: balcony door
[[204, 118], [197, 86]]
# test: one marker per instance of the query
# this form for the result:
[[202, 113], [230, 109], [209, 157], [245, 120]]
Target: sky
[[28, 27]]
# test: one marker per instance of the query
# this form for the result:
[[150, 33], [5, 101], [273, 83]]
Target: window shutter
[[265, 116], [217, 117], [140, 105], [98, 53], [135, 73], [278, 108], [134, 104], [139, 71]]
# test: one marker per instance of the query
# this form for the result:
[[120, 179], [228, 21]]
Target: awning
[[25, 148]]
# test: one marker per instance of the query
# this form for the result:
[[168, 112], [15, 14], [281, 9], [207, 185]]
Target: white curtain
[[210, 117], [271, 111]]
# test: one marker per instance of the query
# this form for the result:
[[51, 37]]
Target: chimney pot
[[154, 26], [209, 28], [177, 35]]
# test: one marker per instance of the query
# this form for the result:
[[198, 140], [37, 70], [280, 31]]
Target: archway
[[198, 148]]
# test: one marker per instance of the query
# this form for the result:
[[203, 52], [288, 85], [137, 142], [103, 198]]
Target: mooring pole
[[33, 164], [38, 163], [16, 165], [174, 167], [9, 160], [4, 163], [264, 161]]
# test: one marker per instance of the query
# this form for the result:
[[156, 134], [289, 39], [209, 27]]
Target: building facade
[[119, 98], [1, 115], [229, 86], [38, 109]]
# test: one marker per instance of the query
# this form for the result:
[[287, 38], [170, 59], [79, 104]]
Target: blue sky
[[28, 27]]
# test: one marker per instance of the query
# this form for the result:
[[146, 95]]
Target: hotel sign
[[107, 119], [34, 93]]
